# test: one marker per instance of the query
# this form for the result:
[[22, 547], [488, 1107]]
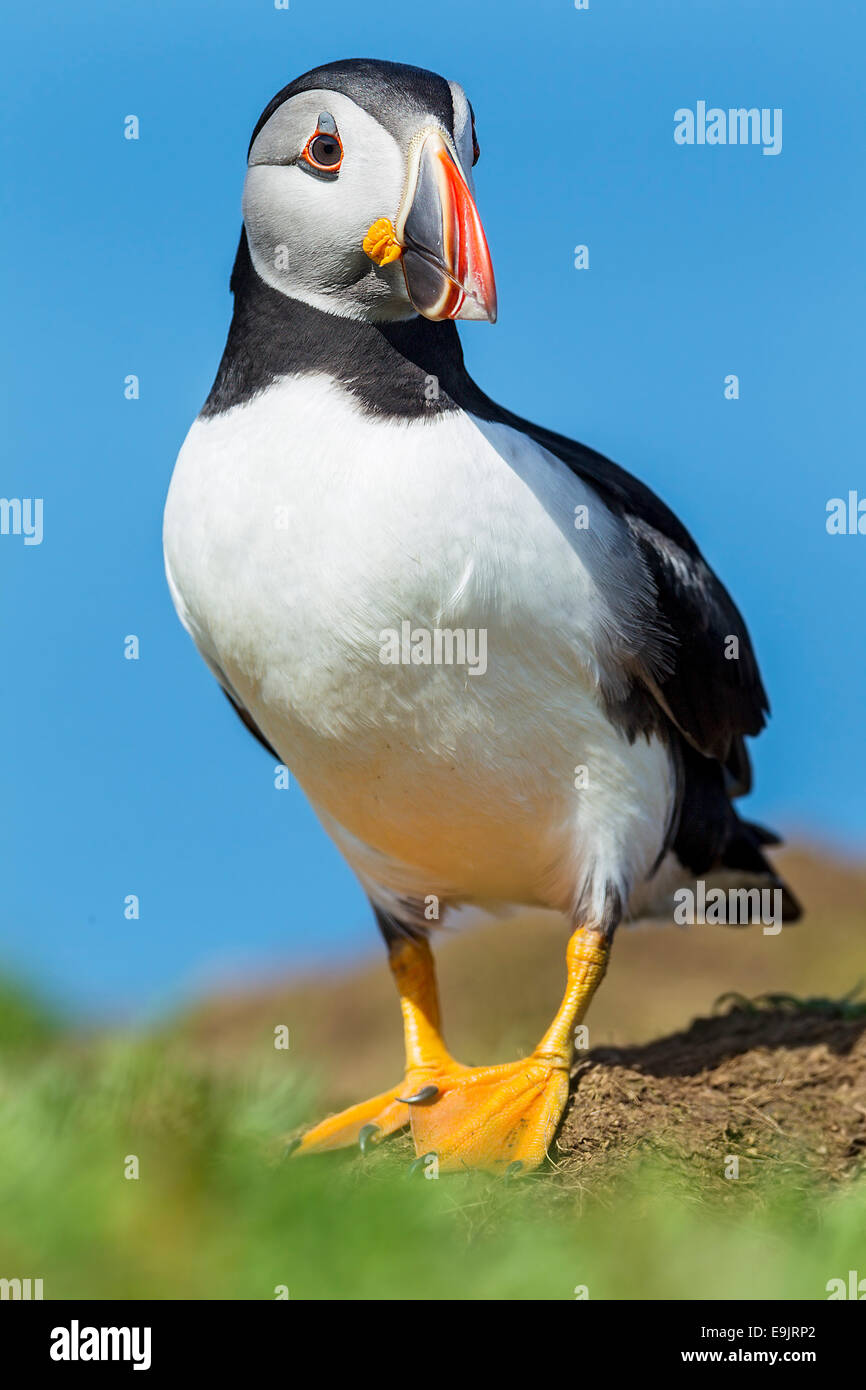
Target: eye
[[324, 151]]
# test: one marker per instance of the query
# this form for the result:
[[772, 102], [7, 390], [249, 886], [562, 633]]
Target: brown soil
[[783, 1085]]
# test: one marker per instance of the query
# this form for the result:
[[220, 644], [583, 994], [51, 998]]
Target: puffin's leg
[[491, 1117], [411, 962]]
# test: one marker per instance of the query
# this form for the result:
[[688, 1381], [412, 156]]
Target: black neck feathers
[[413, 368]]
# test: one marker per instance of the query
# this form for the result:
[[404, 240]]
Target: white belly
[[299, 534]]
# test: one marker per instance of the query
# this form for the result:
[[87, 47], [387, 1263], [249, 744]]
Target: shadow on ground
[[781, 1085]]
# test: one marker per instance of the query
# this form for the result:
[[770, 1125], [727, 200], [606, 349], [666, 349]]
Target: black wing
[[709, 684], [713, 700]]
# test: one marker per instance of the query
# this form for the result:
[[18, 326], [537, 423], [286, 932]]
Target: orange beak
[[446, 261]]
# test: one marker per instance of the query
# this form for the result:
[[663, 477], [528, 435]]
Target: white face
[[321, 172]]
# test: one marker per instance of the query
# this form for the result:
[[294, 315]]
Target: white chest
[[306, 542]]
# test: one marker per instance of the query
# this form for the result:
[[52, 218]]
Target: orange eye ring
[[324, 151]]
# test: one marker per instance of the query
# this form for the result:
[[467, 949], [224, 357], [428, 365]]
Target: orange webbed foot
[[492, 1117]]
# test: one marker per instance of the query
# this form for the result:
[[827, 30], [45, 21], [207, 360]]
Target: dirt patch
[[779, 1085]]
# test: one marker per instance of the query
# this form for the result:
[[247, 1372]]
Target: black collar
[[409, 369]]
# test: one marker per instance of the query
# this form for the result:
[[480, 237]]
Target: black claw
[[426, 1093], [290, 1147], [512, 1170], [418, 1163], [366, 1135]]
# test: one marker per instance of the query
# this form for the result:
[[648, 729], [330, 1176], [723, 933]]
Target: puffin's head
[[358, 195]]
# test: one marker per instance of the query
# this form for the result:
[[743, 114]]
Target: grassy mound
[[632, 1209]]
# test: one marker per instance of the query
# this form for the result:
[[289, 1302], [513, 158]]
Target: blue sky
[[134, 777]]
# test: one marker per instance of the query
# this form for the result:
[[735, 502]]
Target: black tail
[[743, 851], [711, 836]]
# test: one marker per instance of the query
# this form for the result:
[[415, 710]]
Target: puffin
[[496, 663]]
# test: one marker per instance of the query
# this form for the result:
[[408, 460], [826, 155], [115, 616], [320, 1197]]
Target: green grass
[[215, 1214], [24, 1019], [849, 1006]]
